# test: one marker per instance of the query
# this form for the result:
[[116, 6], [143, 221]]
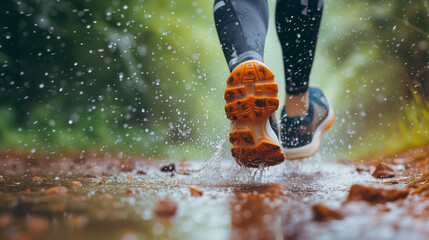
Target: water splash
[[221, 171]]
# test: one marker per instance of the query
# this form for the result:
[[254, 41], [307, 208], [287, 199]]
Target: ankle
[[297, 105]]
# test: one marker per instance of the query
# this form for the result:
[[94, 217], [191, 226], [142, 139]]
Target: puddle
[[236, 203]]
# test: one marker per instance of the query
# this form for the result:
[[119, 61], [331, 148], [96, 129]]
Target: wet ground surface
[[111, 197]]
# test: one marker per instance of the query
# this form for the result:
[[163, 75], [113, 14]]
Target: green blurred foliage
[[122, 75], [372, 58], [147, 77]]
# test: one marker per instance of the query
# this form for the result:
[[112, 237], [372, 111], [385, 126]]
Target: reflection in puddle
[[255, 212]]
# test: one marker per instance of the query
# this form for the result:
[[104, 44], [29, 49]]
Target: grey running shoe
[[300, 136]]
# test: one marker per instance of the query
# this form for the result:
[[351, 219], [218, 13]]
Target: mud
[[133, 198], [376, 194], [324, 213]]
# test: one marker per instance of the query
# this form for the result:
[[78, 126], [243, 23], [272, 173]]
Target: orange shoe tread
[[265, 154], [251, 109], [251, 97]]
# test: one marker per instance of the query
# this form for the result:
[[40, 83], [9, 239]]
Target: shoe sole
[[251, 98], [313, 147]]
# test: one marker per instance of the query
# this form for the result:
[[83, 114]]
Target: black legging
[[242, 27]]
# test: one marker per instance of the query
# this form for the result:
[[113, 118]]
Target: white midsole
[[271, 133]]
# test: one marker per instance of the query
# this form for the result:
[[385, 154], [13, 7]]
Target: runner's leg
[[307, 113], [242, 27], [251, 92], [298, 23]]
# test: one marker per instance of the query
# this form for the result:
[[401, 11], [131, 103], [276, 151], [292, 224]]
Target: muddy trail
[[101, 196]]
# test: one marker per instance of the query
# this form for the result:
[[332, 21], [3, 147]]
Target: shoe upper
[[299, 131]]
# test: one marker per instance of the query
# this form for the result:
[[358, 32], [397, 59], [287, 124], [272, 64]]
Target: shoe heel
[[264, 154], [251, 98]]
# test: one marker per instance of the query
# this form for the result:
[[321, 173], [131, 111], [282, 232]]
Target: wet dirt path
[[111, 198]]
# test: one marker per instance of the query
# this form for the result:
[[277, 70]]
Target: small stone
[[383, 171], [363, 168], [128, 191], [127, 167], [165, 208], [141, 172], [88, 175], [37, 180], [92, 180], [324, 213], [129, 177], [59, 190], [168, 168], [75, 184], [195, 192]]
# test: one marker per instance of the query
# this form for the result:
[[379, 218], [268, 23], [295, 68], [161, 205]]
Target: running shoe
[[300, 136], [251, 99]]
